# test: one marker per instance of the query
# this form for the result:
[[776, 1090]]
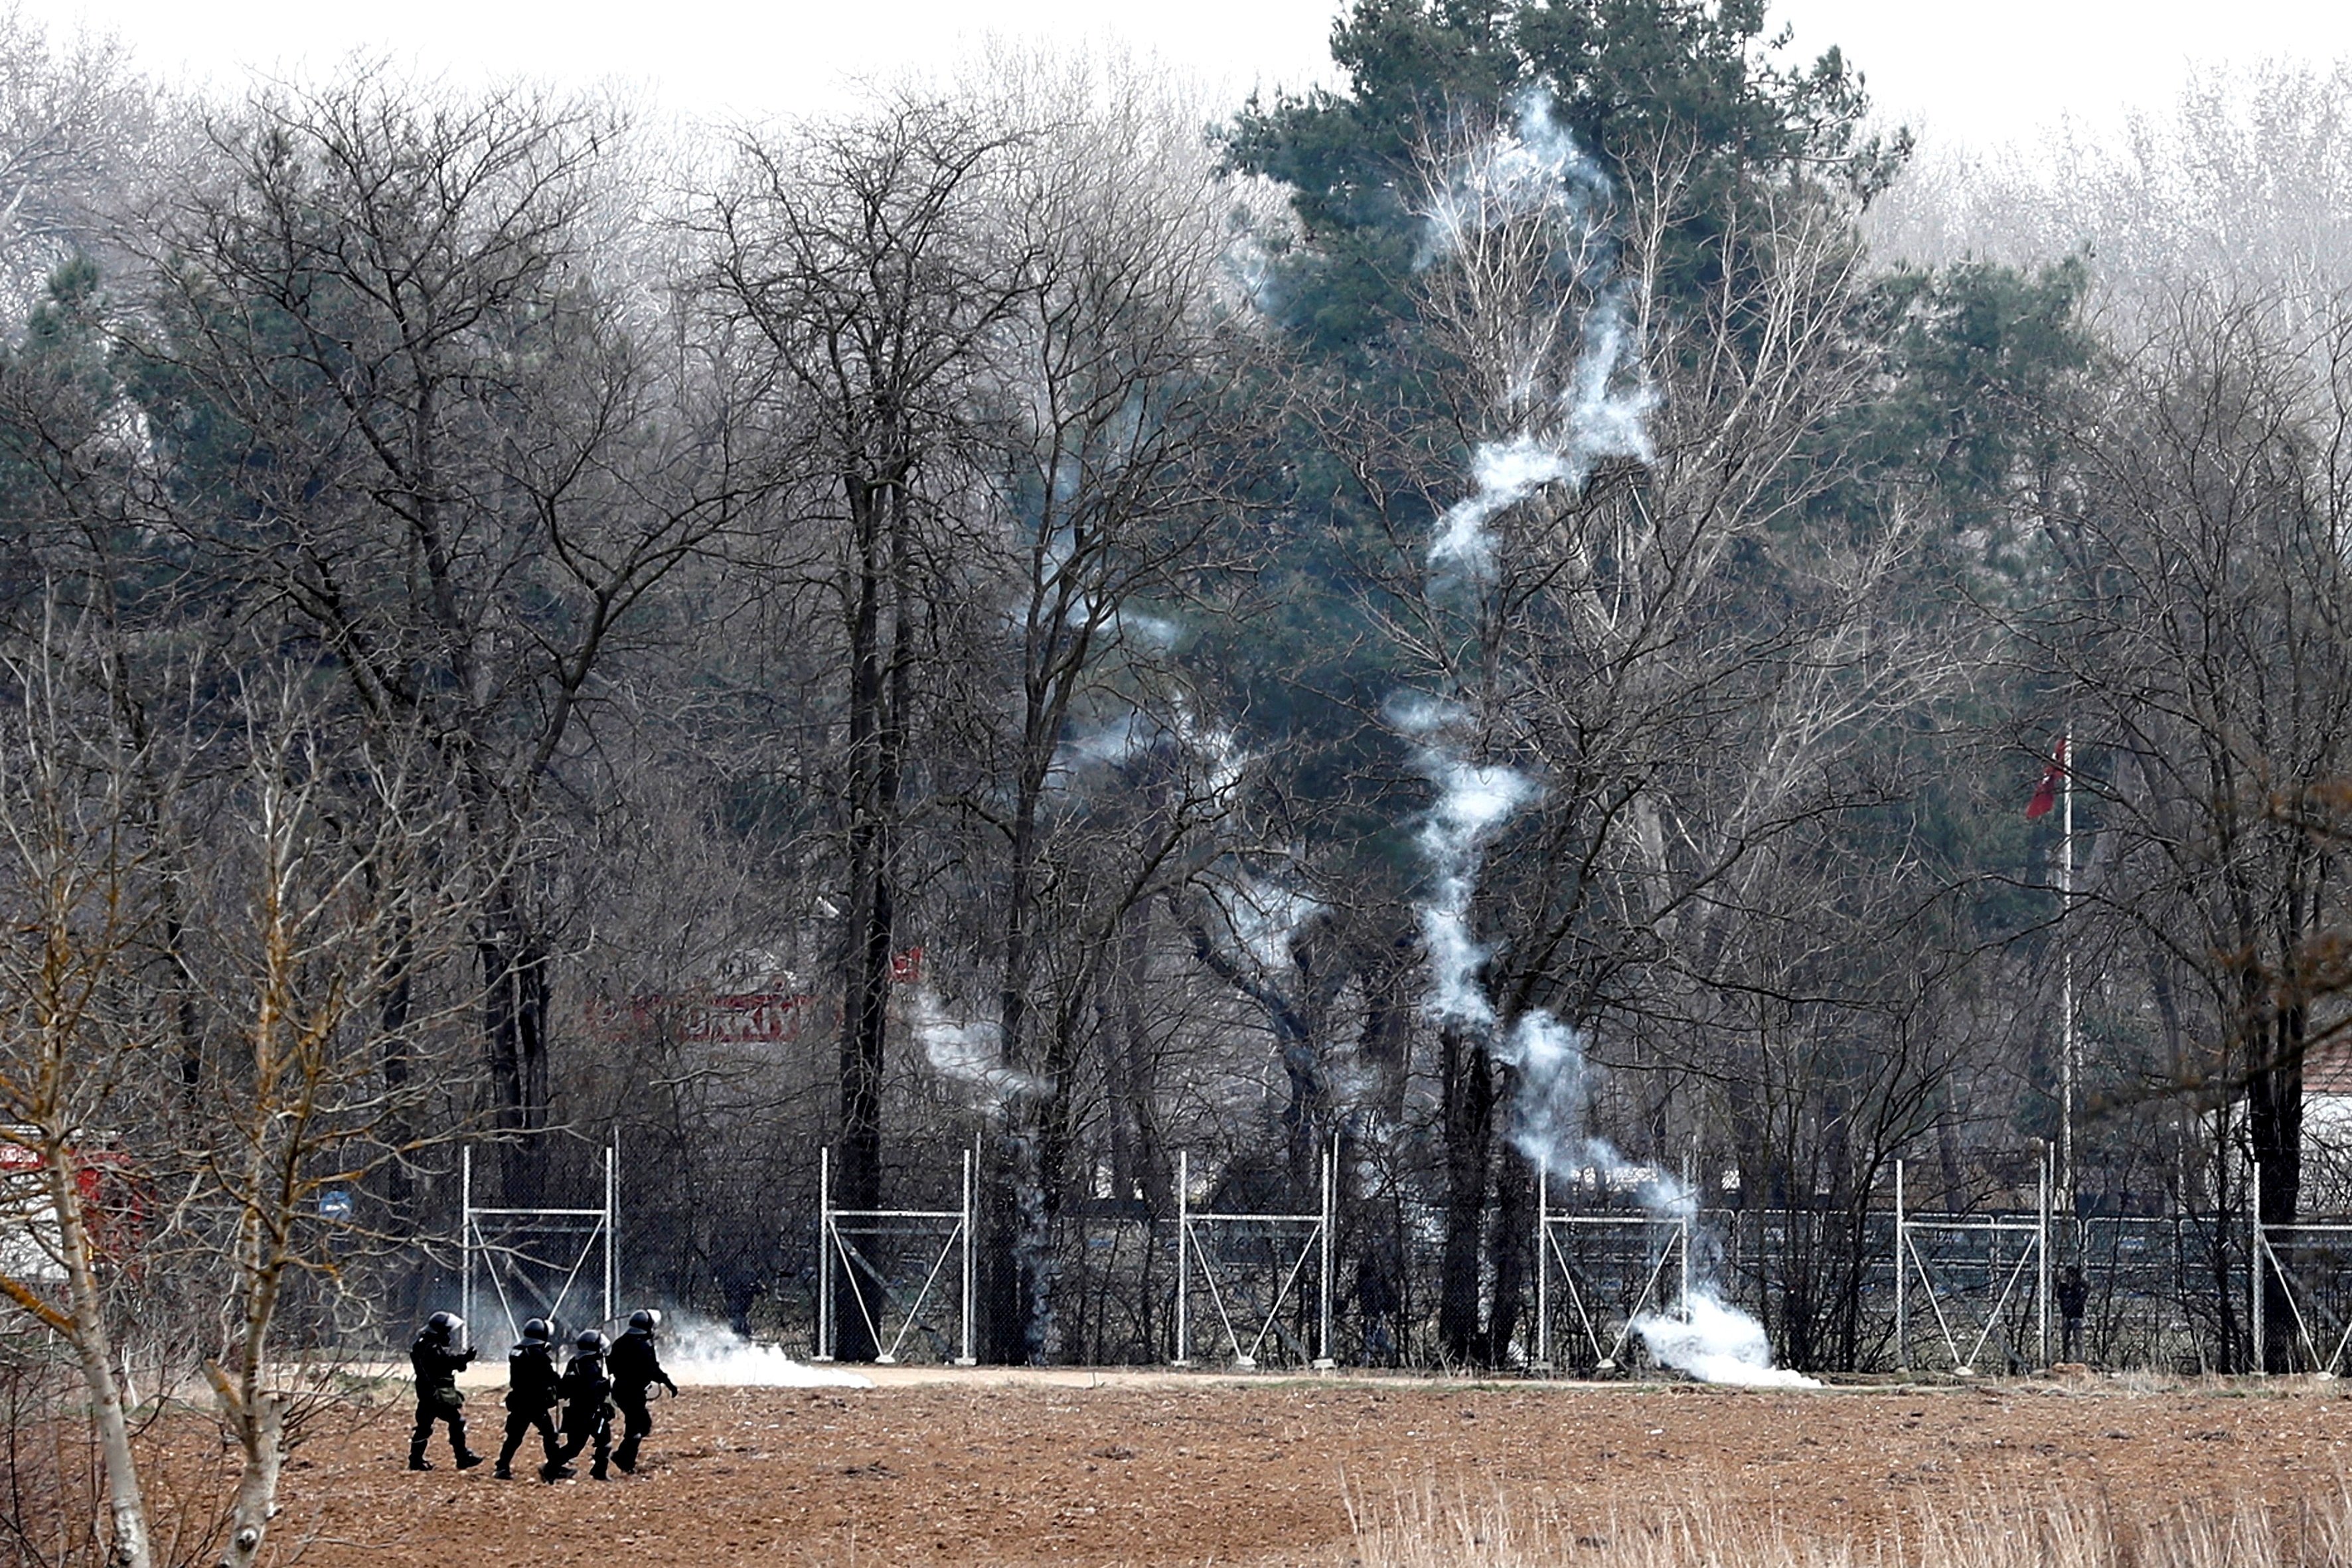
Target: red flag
[[2045, 793]]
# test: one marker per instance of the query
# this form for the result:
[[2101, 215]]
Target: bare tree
[[321, 889], [77, 141], [335, 886], [860, 259], [78, 889], [1645, 612], [405, 408], [1113, 387], [2198, 621]]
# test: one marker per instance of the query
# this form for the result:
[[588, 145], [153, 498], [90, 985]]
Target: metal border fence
[[2175, 1291]]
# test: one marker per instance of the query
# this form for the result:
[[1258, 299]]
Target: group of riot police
[[599, 1375]]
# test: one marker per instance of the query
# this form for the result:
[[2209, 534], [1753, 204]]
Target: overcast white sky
[[1973, 70]]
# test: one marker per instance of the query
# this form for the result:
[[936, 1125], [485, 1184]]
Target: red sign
[[749, 1017]]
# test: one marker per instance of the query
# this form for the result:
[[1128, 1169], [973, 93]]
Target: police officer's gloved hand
[[671, 1386]]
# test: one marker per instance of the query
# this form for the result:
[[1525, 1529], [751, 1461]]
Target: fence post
[[465, 1234], [1902, 1280], [1543, 1265], [2262, 1365], [2041, 1255], [1324, 1360], [1183, 1260], [970, 1158], [612, 1224], [824, 1253], [1690, 1219]]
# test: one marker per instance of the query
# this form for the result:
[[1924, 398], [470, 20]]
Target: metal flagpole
[[2066, 1065], [2041, 1255]]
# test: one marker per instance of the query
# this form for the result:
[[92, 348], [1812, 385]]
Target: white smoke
[[1506, 473], [1549, 1103], [1702, 1334], [1715, 1341], [1213, 750], [968, 1051], [1473, 801], [1533, 171], [1264, 917], [698, 1350]]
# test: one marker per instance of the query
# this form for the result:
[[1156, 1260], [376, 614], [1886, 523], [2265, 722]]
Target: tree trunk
[[93, 1348], [514, 1021], [1023, 1277], [1468, 1091], [261, 1425], [1385, 1039], [399, 1189], [1514, 1220], [879, 697], [2274, 1134]]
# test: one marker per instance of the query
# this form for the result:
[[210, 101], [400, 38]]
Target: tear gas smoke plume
[[1715, 1342], [968, 1052], [1264, 917], [1473, 801], [1533, 171], [698, 1350]]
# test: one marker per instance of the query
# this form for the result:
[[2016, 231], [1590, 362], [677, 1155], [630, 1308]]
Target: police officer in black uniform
[[586, 1416], [438, 1356], [531, 1395], [635, 1369], [2073, 1295]]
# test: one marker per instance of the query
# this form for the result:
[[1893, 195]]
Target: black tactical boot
[[467, 1458], [419, 1462]]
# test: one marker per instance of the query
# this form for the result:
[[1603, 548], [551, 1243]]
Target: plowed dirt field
[[1136, 1470]]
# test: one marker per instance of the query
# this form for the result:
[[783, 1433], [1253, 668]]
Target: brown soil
[[1065, 1470]]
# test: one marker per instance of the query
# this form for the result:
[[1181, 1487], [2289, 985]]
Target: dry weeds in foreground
[[2054, 1530]]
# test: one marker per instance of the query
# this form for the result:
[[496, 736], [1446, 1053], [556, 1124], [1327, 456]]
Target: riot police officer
[[586, 1416], [438, 1356], [635, 1368], [531, 1395]]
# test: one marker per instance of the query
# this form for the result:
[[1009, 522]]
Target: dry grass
[[2056, 1531]]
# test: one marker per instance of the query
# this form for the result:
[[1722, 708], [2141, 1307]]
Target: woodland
[[528, 626]]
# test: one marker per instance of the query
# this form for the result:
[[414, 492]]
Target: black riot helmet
[[536, 1332], [643, 1320], [590, 1342], [447, 1325]]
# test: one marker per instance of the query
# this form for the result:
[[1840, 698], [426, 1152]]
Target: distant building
[[2327, 1134]]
